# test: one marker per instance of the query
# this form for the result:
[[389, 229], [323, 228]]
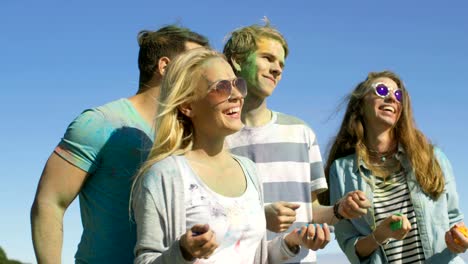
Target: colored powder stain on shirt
[[237, 246]]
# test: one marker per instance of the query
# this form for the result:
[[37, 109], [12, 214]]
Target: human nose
[[391, 97], [235, 94], [276, 68]]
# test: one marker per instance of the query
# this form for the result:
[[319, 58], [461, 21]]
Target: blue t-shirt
[[109, 142]]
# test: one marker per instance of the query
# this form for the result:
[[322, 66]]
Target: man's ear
[[186, 109], [235, 64], [162, 65]]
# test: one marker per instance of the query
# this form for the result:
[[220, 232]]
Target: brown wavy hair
[[351, 137]]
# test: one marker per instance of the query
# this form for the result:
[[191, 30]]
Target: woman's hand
[[198, 242], [456, 240], [312, 236], [384, 231], [353, 205]]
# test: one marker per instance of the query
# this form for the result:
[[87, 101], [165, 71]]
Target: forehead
[[216, 69], [270, 46]]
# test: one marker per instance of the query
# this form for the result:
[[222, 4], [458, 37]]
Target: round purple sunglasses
[[383, 91]]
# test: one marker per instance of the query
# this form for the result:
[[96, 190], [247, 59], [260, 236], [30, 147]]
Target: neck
[[205, 148], [146, 102], [380, 142], [255, 112], [381, 150]]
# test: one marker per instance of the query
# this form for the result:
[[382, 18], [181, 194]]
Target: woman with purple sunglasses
[[415, 217]]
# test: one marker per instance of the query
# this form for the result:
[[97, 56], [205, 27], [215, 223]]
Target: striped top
[[289, 164], [392, 196]]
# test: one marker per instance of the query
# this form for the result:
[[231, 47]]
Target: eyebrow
[[282, 64]]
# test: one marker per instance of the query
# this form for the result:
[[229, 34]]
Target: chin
[[390, 121], [233, 129]]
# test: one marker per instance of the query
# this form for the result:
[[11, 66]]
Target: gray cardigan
[[159, 212]]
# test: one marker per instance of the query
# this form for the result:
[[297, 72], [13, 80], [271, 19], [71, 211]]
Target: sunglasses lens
[[399, 95], [223, 89], [241, 86], [381, 90]]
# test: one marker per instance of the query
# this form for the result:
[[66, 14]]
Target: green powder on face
[[249, 70]]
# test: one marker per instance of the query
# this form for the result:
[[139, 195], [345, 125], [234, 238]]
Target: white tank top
[[238, 222]]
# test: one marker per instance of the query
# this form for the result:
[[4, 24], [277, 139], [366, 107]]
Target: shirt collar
[[399, 155]]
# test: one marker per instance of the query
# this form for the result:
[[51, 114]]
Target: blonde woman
[[415, 217], [193, 201]]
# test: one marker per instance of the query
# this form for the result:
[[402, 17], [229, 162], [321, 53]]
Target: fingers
[[280, 215], [400, 226], [354, 204], [452, 245], [327, 233], [315, 236], [460, 234], [206, 246], [199, 229], [199, 241], [285, 223], [361, 199], [458, 238], [405, 228], [292, 206], [286, 209], [350, 209]]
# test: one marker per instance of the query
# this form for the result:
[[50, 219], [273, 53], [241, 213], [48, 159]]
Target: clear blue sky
[[60, 57]]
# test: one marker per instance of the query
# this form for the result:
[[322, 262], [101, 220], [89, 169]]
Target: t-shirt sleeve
[[84, 140], [318, 182]]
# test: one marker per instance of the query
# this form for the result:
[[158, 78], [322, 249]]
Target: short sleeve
[[318, 181], [84, 139]]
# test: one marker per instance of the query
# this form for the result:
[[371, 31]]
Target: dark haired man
[[97, 157]]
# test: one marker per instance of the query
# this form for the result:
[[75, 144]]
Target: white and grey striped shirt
[[288, 161]]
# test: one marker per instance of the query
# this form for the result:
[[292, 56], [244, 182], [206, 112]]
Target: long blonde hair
[[351, 136], [174, 131]]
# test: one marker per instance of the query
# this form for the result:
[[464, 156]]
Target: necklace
[[382, 156], [383, 163]]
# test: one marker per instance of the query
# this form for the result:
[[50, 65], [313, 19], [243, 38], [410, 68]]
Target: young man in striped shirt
[[283, 147]]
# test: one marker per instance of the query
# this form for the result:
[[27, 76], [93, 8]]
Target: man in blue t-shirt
[[97, 157]]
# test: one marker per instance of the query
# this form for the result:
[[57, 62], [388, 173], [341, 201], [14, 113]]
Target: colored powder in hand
[[398, 224], [464, 231]]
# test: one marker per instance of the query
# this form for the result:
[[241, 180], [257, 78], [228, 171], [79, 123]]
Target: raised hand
[[353, 205], [280, 216], [198, 242], [384, 231], [311, 236], [457, 238]]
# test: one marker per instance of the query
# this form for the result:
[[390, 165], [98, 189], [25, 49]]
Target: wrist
[[185, 253], [293, 247], [336, 213], [378, 239]]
